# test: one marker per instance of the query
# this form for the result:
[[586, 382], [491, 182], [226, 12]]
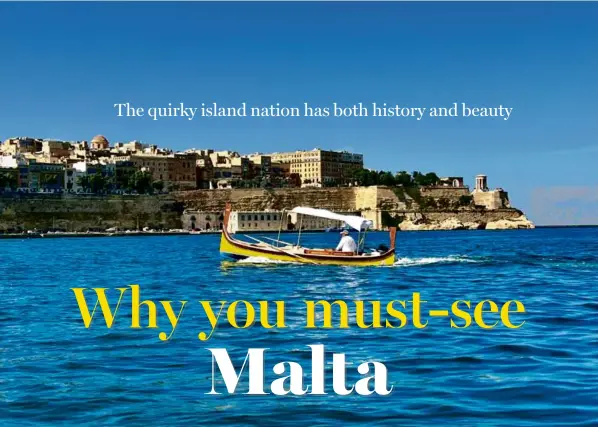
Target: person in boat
[[347, 244]]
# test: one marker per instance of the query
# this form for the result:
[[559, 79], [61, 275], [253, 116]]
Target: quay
[[55, 235]]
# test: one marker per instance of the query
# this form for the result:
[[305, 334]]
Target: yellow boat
[[287, 252]]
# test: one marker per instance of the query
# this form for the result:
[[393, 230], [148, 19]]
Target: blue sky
[[64, 65]]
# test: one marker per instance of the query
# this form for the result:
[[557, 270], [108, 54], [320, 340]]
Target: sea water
[[56, 372]]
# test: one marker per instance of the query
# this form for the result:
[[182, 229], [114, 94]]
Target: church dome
[[99, 142], [101, 139]]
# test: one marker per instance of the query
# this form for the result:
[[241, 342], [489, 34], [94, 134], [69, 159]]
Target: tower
[[481, 183]]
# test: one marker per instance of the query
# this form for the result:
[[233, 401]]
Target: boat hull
[[239, 250]]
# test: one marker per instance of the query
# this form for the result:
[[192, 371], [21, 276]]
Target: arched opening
[[290, 225], [207, 225]]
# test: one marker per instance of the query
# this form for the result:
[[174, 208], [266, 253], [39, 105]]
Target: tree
[[403, 178], [98, 183], [8, 180], [431, 178], [386, 178], [84, 181], [365, 177], [141, 181], [428, 179], [465, 200], [158, 186]]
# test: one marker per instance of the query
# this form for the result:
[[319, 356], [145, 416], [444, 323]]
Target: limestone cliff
[[412, 208], [437, 208]]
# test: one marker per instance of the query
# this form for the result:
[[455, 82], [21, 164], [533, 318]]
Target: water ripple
[[53, 371]]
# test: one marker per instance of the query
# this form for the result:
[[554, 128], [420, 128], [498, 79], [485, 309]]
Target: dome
[[101, 139], [99, 142]]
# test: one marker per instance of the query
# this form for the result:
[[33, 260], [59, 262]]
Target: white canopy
[[356, 222]]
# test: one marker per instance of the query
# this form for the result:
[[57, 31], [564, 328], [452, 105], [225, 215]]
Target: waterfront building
[[131, 147], [204, 172], [183, 170], [197, 220], [255, 221], [176, 171], [72, 177], [490, 199], [54, 151], [75, 171], [452, 181], [80, 150], [11, 161], [42, 176], [262, 165], [318, 167], [21, 145]]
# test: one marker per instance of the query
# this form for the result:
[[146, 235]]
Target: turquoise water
[[55, 371]]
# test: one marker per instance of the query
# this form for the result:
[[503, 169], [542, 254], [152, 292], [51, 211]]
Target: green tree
[[8, 179], [141, 181], [403, 178], [431, 178], [84, 182], [465, 200], [428, 179], [98, 183], [158, 185], [387, 178]]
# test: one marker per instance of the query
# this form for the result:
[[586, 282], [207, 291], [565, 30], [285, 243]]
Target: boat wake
[[451, 259], [401, 262], [262, 260]]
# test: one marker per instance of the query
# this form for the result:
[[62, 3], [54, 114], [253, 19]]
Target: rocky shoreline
[[409, 209], [453, 223]]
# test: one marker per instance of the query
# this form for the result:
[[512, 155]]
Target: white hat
[[345, 232]]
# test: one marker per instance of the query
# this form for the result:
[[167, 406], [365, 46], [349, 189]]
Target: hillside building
[[318, 168]]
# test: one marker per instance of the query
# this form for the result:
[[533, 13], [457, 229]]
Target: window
[[255, 219], [268, 218], [242, 217], [261, 217], [256, 225]]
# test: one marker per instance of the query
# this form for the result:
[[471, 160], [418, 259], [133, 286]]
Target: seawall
[[410, 209], [83, 212]]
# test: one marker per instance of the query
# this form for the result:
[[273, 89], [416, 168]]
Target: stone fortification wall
[[383, 205], [494, 199], [444, 192], [82, 213], [251, 200]]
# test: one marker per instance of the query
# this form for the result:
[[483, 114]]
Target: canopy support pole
[[280, 225], [362, 242], [358, 241], [300, 227]]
